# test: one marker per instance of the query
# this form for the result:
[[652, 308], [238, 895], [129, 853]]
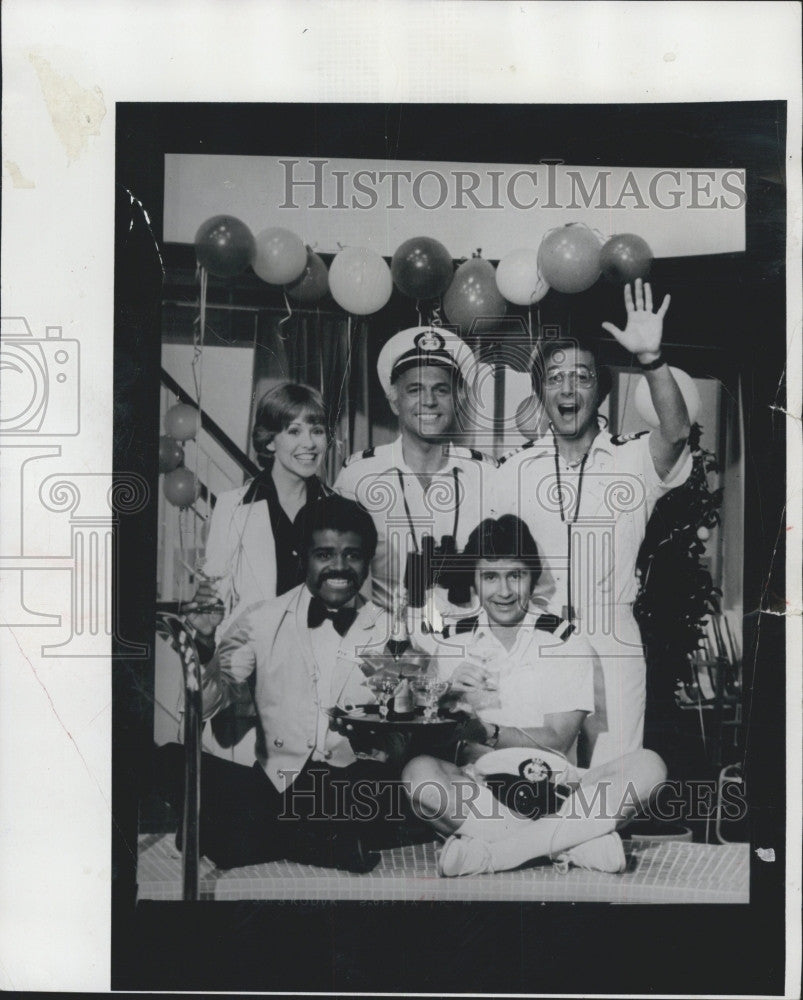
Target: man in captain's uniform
[[421, 484]]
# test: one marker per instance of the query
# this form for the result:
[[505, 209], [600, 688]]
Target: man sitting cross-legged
[[528, 683]]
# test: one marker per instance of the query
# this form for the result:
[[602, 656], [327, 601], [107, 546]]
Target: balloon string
[[181, 512], [630, 375], [284, 319], [530, 325], [436, 319], [346, 371], [418, 310], [199, 336]]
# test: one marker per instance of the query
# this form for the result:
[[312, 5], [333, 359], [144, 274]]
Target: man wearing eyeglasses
[[587, 496]]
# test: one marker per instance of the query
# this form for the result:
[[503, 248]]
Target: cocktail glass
[[383, 687], [431, 689]]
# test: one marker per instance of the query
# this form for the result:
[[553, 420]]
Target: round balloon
[[688, 390], [625, 257], [422, 268], [280, 256], [528, 417], [182, 421], [224, 246], [181, 487], [517, 278], [360, 281], [473, 295], [568, 258], [313, 283], [171, 454]]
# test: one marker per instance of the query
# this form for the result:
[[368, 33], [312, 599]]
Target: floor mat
[[658, 872]]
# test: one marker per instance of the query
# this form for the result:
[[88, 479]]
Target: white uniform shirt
[[533, 681], [620, 487], [380, 479]]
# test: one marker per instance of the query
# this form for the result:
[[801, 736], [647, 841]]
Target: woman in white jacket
[[251, 549]]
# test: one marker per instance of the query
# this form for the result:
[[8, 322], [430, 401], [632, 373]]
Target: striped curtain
[[330, 353]]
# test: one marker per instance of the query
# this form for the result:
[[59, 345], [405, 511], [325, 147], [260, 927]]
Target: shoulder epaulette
[[515, 451], [464, 625], [624, 438], [368, 453], [555, 625], [478, 456]]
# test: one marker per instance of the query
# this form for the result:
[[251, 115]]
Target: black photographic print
[[447, 359]]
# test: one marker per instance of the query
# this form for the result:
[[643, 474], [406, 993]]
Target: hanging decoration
[[422, 268], [473, 295], [313, 282], [518, 278], [529, 414], [280, 257], [568, 258], [625, 257], [360, 281], [181, 487], [182, 422], [224, 246], [688, 390], [171, 454]]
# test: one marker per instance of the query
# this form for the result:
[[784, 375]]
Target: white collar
[[545, 445], [483, 628], [398, 462]]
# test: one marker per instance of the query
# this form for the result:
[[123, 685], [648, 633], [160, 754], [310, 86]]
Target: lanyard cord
[[410, 516], [569, 522]]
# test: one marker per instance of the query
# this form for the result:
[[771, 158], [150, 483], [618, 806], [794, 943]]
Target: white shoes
[[470, 856], [464, 856], [603, 854]]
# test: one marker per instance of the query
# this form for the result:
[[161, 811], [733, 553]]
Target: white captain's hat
[[424, 345]]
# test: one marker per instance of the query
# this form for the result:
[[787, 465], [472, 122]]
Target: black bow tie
[[342, 619]]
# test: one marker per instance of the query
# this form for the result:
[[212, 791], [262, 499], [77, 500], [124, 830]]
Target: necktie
[[342, 619]]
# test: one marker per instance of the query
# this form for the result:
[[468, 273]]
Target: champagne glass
[[432, 689], [383, 686], [489, 696]]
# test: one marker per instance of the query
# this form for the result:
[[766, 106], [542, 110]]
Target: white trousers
[[620, 688]]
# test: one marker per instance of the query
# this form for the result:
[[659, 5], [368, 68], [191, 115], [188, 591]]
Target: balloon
[[182, 421], [280, 256], [625, 257], [313, 283], [224, 246], [517, 278], [528, 417], [703, 534], [181, 487], [171, 454], [473, 295], [360, 281], [688, 390], [422, 268], [568, 258]]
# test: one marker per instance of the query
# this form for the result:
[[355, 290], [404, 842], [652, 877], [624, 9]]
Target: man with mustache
[[422, 488], [587, 497], [303, 647]]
